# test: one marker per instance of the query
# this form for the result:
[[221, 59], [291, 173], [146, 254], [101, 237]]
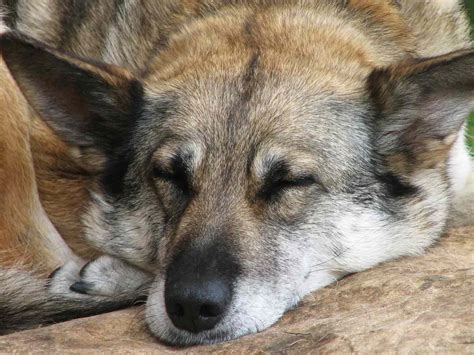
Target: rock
[[414, 304]]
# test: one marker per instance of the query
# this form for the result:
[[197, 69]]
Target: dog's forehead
[[245, 84], [268, 103], [235, 124], [224, 110]]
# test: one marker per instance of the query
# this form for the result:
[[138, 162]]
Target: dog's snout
[[198, 288], [197, 305]]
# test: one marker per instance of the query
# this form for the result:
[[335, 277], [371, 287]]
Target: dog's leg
[[25, 303], [26, 233], [106, 276]]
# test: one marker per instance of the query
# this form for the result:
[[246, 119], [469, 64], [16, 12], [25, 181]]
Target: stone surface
[[414, 305]]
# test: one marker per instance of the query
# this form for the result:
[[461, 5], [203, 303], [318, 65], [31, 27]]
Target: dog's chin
[[252, 311]]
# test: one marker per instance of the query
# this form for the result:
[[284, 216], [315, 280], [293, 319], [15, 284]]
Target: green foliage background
[[470, 9]]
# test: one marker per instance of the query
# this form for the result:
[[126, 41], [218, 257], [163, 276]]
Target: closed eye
[[272, 189], [178, 176], [296, 182]]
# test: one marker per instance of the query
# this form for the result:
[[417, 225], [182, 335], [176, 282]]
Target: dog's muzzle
[[198, 287]]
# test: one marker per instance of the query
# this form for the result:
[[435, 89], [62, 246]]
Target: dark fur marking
[[120, 152], [396, 187], [248, 82], [112, 128], [84, 269], [55, 271], [249, 79], [116, 169], [118, 162], [73, 15], [239, 110], [80, 287], [12, 12]]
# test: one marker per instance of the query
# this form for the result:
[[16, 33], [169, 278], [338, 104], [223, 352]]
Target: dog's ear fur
[[421, 107], [89, 105]]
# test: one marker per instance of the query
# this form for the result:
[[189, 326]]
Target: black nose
[[198, 287], [197, 305]]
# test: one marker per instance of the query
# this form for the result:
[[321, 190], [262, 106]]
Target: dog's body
[[265, 148]]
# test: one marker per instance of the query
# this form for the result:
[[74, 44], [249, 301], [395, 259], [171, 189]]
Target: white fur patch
[[459, 164], [3, 27], [445, 5]]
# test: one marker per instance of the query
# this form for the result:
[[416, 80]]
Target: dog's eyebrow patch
[[177, 170], [169, 160], [177, 157], [283, 170], [281, 161]]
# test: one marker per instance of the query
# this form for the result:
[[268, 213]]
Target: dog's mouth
[[183, 338], [171, 335], [250, 312]]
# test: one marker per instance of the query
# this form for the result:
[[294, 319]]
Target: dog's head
[[245, 178]]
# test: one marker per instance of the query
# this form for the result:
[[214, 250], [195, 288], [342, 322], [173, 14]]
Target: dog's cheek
[[271, 275], [129, 234], [369, 234], [98, 229], [268, 288]]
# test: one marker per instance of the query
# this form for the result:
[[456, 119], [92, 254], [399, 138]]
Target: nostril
[[209, 311], [176, 309]]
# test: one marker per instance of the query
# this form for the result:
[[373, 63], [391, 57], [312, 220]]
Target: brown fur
[[22, 221]]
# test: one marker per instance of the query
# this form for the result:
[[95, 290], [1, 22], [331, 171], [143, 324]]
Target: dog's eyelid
[[274, 187], [176, 171], [174, 164], [300, 180], [161, 172]]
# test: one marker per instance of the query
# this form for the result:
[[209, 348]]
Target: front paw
[[105, 277], [60, 281]]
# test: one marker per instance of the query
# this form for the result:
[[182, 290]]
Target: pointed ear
[[87, 104], [422, 106]]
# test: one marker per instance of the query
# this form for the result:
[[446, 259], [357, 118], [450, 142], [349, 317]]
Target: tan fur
[[26, 234], [42, 181], [62, 182]]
